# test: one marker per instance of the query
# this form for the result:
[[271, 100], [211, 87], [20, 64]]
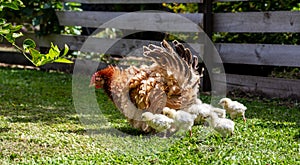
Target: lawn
[[39, 125]]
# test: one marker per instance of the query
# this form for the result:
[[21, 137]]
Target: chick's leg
[[191, 133], [244, 118]]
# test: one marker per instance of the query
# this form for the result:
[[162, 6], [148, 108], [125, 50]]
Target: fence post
[[208, 28]]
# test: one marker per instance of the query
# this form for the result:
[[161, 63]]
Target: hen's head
[[102, 77], [224, 102]]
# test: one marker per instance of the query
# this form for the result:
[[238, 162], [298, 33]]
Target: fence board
[[260, 54], [277, 87], [254, 54], [158, 20], [123, 47], [276, 21]]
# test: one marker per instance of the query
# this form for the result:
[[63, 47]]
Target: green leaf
[[54, 47], [2, 21], [28, 44], [15, 28], [53, 52], [9, 37], [13, 6], [35, 54], [66, 50], [43, 61], [4, 31], [16, 35], [63, 60]]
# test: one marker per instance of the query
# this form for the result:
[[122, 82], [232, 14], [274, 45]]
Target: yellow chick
[[222, 125], [182, 120], [202, 110], [234, 108], [159, 122]]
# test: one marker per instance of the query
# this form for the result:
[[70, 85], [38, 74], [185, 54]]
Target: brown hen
[[170, 81]]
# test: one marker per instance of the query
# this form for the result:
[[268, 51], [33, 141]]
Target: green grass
[[39, 125]]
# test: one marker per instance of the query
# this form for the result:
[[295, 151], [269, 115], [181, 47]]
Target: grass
[[39, 125]]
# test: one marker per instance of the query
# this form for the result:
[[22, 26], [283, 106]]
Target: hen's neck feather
[[107, 75]]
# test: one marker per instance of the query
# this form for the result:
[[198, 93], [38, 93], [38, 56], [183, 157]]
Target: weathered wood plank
[[276, 87], [260, 54], [277, 21], [253, 54], [152, 21], [132, 1], [92, 44]]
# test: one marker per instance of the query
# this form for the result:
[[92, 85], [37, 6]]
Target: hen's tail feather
[[166, 57], [186, 54]]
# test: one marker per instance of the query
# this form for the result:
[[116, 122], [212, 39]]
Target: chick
[[219, 111], [234, 108], [182, 120], [158, 122], [222, 125], [203, 110]]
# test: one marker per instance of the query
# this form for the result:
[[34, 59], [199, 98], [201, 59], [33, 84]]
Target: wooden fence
[[231, 53]]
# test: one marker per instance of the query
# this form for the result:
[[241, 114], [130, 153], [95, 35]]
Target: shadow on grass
[[37, 114], [4, 129], [36, 96]]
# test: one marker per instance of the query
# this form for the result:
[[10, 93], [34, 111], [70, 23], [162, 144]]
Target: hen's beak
[[92, 85]]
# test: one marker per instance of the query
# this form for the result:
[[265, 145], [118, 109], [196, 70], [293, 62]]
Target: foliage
[[39, 16], [11, 33], [47, 130], [181, 8], [54, 54], [286, 72], [267, 38], [296, 8], [260, 5]]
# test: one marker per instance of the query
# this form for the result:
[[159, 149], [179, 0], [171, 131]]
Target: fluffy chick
[[182, 120], [158, 122], [222, 125], [234, 108], [203, 110]]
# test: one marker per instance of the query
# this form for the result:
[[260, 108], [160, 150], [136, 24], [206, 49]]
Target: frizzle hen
[[170, 81]]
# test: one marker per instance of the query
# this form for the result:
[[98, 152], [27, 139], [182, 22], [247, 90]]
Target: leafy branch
[[11, 33]]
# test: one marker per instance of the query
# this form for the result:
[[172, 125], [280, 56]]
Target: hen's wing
[[180, 67]]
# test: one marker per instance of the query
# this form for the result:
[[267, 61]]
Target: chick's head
[[210, 116], [169, 112], [147, 116], [224, 102]]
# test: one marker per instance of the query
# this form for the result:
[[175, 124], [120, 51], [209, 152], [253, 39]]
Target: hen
[[170, 81]]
